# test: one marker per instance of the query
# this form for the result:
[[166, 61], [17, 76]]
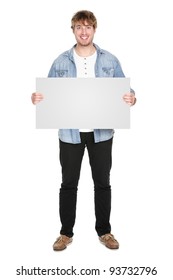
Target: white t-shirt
[[85, 69]]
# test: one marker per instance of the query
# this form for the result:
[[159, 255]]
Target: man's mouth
[[84, 37]]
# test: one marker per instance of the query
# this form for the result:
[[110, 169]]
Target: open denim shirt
[[107, 65]]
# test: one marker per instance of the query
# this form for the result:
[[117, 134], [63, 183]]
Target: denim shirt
[[107, 65]]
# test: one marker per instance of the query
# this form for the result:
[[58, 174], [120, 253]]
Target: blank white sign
[[94, 103]]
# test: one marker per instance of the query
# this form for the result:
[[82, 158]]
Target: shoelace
[[108, 236], [61, 238]]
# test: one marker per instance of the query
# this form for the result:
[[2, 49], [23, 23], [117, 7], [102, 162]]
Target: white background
[[33, 34]]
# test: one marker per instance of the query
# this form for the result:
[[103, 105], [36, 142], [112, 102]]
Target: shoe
[[62, 242], [109, 241]]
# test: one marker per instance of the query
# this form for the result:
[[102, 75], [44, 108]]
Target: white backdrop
[[33, 34]]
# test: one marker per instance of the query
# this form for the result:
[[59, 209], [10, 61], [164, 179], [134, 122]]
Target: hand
[[129, 98], [36, 97]]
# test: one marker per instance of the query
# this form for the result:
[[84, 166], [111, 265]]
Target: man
[[85, 59]]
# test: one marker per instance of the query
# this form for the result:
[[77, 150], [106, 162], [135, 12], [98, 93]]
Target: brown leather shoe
[[62, 242], [109, 241]]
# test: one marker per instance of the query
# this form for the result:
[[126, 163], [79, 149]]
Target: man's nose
[[83, 29]]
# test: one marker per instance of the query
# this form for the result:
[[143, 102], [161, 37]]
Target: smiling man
[[85, 59]]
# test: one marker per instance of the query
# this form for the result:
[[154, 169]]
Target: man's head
[[83, 17], [84, 25]]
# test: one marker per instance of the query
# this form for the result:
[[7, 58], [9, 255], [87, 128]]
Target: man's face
[[84, 33]]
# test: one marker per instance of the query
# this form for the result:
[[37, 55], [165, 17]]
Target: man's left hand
[[129, 98]]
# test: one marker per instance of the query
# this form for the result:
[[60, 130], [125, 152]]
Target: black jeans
[[100, 156]]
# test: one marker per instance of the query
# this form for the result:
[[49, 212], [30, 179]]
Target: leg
[[100, 155], [70, 158]]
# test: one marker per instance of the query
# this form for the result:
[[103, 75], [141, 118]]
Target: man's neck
[[85, 51]]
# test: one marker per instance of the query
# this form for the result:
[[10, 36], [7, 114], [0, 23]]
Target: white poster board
[[82, 103]]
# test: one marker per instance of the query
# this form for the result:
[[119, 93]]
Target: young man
[[85, 59]]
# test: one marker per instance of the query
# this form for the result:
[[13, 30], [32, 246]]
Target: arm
[[36, 97], [129, 98]]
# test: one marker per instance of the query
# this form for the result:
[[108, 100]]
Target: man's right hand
[[36, 97]]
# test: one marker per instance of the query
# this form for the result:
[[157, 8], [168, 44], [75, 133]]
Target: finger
[[37, 97], [37, 94], [36, 101], [127, 99]]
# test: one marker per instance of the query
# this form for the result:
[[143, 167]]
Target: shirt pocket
[[61, 73], [108, 71]]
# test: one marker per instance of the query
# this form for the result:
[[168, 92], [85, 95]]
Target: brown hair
[[82, 16]]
